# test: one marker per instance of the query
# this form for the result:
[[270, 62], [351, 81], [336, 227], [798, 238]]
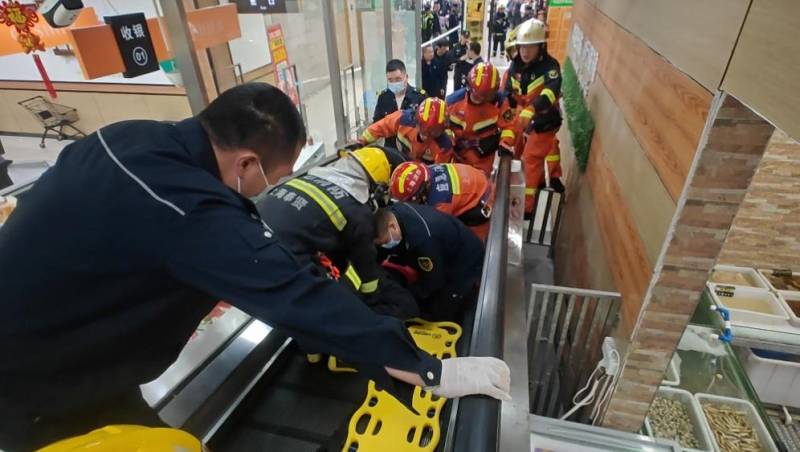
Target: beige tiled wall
[[94, 109]]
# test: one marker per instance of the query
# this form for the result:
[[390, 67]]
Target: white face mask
[[263, 192], [392, 241], [397, 87]]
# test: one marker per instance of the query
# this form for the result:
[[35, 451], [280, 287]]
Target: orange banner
[[99, 56], [50, 36]]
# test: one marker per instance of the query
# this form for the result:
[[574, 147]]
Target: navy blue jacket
[[118, 251], [447, 256]]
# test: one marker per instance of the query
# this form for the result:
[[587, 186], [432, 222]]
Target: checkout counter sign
[[134, 43]]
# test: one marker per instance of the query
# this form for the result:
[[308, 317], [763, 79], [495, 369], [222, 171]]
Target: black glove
[[488, 145]]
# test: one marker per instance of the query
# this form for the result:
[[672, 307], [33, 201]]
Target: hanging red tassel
[[51, 90], [22, 18]]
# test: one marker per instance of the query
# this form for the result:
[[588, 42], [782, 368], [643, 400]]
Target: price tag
[[725, 291]]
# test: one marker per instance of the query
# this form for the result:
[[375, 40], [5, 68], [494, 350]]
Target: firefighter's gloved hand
[[474, 375]]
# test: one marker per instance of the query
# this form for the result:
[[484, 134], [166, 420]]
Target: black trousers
[[498, 43], [21, 433]]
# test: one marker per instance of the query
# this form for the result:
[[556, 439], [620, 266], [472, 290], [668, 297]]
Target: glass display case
[[715, 390]]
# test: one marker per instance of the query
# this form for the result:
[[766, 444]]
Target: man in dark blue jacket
[[119, 250], [446, 256]]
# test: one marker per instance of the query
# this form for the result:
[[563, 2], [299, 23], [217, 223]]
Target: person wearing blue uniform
[[118, 251], [445, 256]]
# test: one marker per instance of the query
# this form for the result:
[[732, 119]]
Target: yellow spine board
[[383, 424]]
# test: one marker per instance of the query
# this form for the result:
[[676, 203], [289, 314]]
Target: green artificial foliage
[[579, 120]]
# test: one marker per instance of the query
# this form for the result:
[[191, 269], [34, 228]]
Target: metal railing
[[477, 419], [540, 221], [440, 36], [566, 328]]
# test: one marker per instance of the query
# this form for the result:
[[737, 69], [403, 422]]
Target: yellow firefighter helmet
[[530, 32], [129, 438], [375, 163]]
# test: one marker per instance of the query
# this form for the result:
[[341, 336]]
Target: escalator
[[256, 390]]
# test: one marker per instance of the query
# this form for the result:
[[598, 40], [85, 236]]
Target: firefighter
[[422, 135], [480, 118], [533, 87], [445, 258], [455, 189], [329, 211]]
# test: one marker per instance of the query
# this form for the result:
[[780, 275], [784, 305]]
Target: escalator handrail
[[477, 422]]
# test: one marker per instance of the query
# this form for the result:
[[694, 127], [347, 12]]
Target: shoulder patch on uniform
[[508, 115], [422, 91], [408, 118], [425, 263], [552, 73]]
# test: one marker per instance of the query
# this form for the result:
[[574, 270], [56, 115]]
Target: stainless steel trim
[[387, 28], [514, 422], [180, 38], [329, 23], [236, 402]]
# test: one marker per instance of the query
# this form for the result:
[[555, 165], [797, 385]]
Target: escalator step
[[247, 440], [295, 410]]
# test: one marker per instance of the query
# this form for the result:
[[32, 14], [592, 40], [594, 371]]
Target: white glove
[[474, 375]]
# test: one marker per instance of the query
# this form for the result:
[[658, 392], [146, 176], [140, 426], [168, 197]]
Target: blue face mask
[[397, 87], [392, 242]]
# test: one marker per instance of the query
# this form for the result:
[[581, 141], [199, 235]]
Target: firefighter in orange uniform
[[455, 189], [422, 135], [533, 86], [481, 118]]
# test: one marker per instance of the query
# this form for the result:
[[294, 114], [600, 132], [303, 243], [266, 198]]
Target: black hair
[[395, 65], [255, 116], [465, 33], [444, 42], [475, 47], [382, 219]]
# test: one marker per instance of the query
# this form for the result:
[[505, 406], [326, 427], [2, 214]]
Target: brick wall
[[766, 231], [724, 168]]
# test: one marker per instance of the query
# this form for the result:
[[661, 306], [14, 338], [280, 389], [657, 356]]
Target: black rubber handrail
[[477, 418]]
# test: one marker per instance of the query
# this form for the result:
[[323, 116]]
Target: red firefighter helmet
[[431, 117], [408, 180], [483, 82]]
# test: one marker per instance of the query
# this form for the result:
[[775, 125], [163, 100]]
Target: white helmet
[[531, 32]]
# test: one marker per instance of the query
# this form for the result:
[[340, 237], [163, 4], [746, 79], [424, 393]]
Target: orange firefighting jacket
[[479, 129], [403, 125], [455, 189]]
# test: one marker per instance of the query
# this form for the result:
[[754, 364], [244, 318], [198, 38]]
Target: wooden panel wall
[[697, 37], [650, 205], [648, 119], [95, 109], [766, 231], [764, 69], [580, 260], [665, 108]]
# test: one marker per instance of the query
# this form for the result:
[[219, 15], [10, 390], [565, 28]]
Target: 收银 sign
[[135, 44]]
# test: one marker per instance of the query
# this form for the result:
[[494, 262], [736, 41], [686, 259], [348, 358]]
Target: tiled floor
[[29, 160]]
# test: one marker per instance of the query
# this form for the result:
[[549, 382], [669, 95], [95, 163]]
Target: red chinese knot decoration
[[22, 18]]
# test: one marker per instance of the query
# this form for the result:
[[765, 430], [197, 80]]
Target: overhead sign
[[280, 61], [98, 55], [261, 6], [135, 44]]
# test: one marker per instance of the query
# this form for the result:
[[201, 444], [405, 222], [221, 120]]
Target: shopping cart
[[54, 117]]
